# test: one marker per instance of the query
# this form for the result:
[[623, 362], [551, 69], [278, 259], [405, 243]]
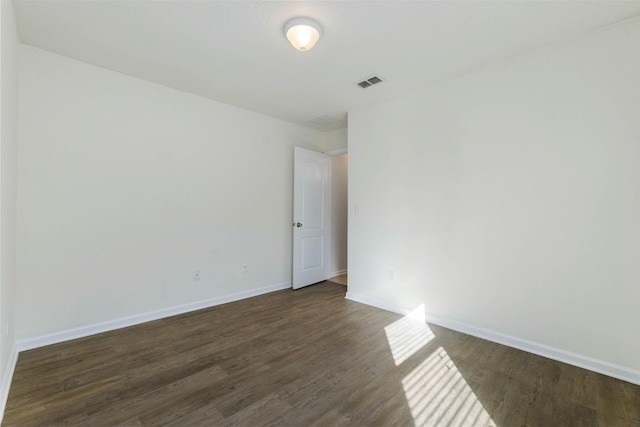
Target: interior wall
[[339, 214], [127, 187], [508, 198], [8, 185], [335, 140]]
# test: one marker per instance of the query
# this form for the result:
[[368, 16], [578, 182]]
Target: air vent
[[324, 120], [369, 82]]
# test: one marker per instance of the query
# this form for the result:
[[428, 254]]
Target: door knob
[[298, 225]]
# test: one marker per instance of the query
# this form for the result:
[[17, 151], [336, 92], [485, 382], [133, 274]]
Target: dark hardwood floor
[[305, 357]]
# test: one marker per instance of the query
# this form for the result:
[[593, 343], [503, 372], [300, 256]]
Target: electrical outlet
[[245, 268], [392, 275], [196, 275]]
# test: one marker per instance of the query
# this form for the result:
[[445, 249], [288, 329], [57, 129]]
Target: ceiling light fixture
[[302, 33]]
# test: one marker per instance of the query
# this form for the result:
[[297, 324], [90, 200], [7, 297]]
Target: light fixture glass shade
[[302, 33]]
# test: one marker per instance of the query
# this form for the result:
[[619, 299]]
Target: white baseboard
[[338, 273], [84, 331], [575, 359], [6, 379], [377, 303]]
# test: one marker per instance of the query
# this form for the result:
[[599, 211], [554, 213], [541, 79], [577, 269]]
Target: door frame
[[307, 267], [330, 153]]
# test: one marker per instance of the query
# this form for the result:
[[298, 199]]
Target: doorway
[[320, 217], [339, 217]]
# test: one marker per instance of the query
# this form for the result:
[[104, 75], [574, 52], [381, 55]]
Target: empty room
[[340, 213]]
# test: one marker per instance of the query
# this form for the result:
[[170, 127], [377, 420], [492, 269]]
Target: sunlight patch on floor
[[408, 335], [436, 391], [437, 394]]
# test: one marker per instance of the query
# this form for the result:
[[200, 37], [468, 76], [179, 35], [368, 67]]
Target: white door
[[311, 217]]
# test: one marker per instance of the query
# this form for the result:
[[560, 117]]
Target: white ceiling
[[235, 51]]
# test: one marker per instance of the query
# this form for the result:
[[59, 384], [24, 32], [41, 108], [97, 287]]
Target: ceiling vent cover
[[369, 82], [325, 120]]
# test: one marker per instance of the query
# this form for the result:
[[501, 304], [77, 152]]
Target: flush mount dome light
[[302, 33]]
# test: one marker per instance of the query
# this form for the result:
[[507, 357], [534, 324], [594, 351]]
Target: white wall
[[126, 187], [8, 191], [508, 198], [339, 214], [334, 140]]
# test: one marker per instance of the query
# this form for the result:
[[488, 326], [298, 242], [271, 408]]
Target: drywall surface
[[126, 188], [335, 140], [8, 180], [508, 198], [339, 213]]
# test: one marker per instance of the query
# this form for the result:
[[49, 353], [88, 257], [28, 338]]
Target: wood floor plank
[[186, 409], [610, 402], [142, 405], [60, 408], [304, 357], [631, 403], [262, 412]]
